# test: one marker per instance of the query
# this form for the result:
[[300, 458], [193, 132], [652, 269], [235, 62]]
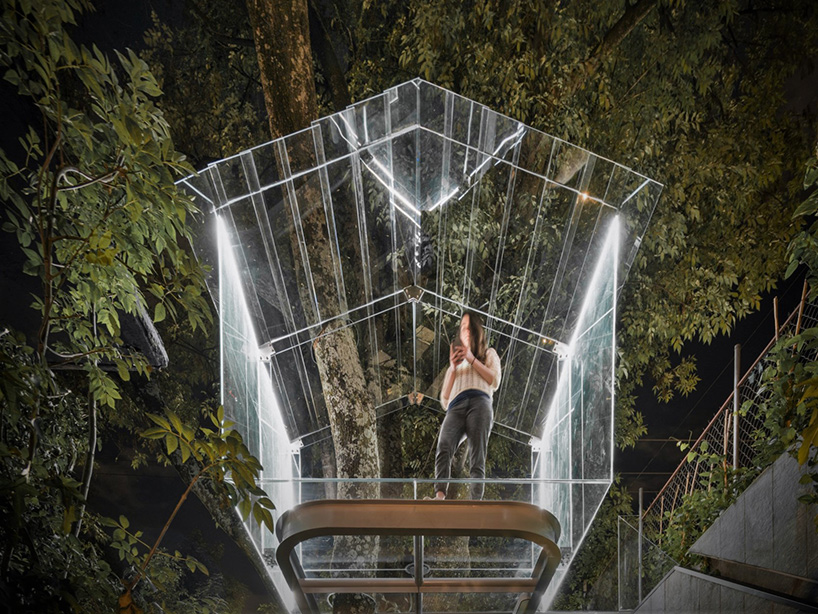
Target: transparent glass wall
[[249, 400], [388, 220], [576, 446], [637, 558]]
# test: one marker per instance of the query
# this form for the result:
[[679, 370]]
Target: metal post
[[419, 573], [618, 564], [775, 316], [736, 401], [639, 581], [801, 307]]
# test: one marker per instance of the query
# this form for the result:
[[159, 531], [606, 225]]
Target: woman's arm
[[448, 382], [456, 356]]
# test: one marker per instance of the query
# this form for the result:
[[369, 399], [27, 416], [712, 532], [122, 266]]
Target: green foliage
[[46, 568], [93, 206], [718, 485], [791, 408], [223, 458], [89, 198], [209, 72]]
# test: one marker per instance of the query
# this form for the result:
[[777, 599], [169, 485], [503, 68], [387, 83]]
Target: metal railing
[[731, 433]]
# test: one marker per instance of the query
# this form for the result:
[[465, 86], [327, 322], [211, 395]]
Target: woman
[[472, 377]]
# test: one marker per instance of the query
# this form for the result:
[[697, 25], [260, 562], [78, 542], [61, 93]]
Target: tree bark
[[281, 31], [353, 425]]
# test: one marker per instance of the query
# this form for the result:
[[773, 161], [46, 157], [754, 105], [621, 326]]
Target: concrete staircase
[[761, 554]]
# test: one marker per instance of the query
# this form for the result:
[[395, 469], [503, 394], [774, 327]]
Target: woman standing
[[472, 377]]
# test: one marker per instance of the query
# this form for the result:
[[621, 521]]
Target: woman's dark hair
[[477, 334]]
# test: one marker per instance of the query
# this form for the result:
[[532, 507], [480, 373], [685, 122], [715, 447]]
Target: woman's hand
[[456, 355], [468, 356]]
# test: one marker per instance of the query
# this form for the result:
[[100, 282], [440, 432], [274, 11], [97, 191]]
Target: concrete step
[[685, 590]]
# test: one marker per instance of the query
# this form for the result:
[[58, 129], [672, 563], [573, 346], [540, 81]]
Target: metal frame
[[511, 519]]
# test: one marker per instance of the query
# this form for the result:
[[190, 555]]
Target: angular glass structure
[[387, 220]]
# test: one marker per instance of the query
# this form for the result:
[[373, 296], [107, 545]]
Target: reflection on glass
[[389, 219]]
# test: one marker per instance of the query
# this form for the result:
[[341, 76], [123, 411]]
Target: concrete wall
[[767, 526], [681, 591]]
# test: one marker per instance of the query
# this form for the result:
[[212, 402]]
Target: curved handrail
[[512, 519]]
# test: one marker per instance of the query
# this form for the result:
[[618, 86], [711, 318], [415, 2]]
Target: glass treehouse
[[374, 229]]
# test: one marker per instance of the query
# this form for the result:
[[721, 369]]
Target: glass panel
[[370, 118], [403, 105], [300, 150], [338, 135], [432, 106], [317, 251]]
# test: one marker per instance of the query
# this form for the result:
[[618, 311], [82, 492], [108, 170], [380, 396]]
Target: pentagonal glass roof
[[398, 213]]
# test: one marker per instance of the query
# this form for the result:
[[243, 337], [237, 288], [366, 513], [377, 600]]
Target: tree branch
[[633, 16]]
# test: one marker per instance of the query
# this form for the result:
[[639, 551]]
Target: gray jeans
[[470, 418]]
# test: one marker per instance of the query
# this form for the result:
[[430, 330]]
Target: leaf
[[265, 502], [175, 421], [155, 432], [123, 522], [185, 449], [244, 508], [160, 421], [171, 442], [123, 371], [159, 312]]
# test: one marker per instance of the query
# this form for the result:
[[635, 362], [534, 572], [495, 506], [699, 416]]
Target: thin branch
[[63, 173], [73, 357], [88, 470], [159, 539]]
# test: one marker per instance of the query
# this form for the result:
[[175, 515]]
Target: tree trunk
[[352, 419], [353, 425], [281, 31]]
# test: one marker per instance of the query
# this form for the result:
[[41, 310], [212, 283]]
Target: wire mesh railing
[[729, 436]]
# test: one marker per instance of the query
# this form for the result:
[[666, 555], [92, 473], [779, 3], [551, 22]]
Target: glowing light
[[255, 377], [610, 249]]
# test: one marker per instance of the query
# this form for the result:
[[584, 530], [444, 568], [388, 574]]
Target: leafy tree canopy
[[90, 199]]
